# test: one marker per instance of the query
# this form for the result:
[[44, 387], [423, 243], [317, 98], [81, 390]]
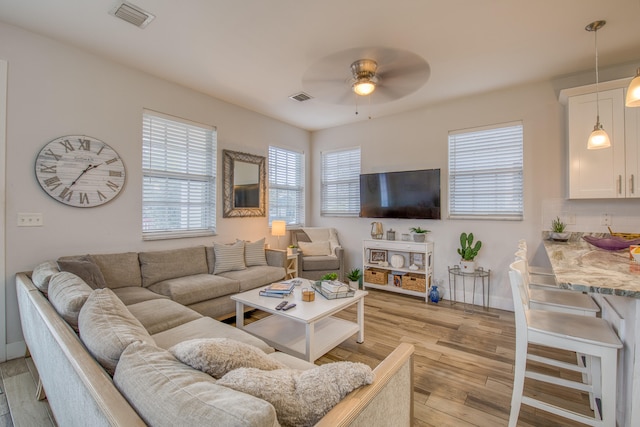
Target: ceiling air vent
[[301, 97], [132, 14]]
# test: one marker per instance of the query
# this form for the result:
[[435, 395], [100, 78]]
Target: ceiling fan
[[382, 74]]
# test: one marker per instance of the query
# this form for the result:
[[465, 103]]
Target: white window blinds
[[286, 186], [179, 169], [340, 188], [485, 172]]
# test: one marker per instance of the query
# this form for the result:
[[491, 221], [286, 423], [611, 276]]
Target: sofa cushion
[[254, 253], [119, 270], [166, 392], [107, 328], [86, 269], [229, 257], [200, 287], [42, 273], [318, 248], [217, 356], [67, 294], [301, 398], [162, 314], [317, 263], [162, 265], [254, 277], [206, 327], [135, 294]]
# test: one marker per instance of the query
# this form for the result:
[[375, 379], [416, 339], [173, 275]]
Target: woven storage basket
[[376, 276], [414, 282]]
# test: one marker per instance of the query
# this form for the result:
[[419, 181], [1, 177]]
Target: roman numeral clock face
[[80, 171]]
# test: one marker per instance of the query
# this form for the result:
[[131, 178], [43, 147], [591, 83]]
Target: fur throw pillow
[[217, 356], [301, 398]]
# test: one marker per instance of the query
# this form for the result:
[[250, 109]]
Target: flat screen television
[[408, 194]]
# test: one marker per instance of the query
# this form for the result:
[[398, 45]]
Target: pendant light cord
[[597, 80]]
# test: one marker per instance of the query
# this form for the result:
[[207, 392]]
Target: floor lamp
[[278, 228]]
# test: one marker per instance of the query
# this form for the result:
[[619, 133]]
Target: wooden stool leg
[[518, 381], [608, 399]]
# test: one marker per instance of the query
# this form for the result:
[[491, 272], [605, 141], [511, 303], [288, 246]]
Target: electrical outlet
[[568, 218], [605, 219], [29, 220]]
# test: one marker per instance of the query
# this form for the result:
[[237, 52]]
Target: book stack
[[278, 290], [334, 287]]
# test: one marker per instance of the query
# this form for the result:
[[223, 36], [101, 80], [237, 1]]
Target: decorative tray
[[343, 291], [613, 243]]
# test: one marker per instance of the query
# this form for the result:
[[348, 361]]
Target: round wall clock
[[80, 171]]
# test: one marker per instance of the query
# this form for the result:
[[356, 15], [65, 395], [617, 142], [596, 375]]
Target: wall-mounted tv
[[408, 194]]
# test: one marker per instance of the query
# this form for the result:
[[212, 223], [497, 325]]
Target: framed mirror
[[244, 178]]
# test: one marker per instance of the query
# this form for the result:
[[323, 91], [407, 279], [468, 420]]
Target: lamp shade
[[598, 138], [364, 87], [278, 228], [633, 92]]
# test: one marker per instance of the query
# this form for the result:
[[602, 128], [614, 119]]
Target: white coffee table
[[306, 331]]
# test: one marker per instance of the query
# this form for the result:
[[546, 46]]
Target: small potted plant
[[354, 278], [419, 234], [292, 250], [557, 230], [468, 251]]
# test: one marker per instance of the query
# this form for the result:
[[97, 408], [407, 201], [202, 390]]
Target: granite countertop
[[582, 267]]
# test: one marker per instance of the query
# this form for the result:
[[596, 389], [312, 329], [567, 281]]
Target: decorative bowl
[[610, 243]]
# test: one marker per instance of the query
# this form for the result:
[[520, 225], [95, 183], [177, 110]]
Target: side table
[[478, 274], [291, 267]]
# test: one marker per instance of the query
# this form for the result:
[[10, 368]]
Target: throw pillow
[[321, 247], [168, 393], [229, 257], [68, 293], [42, 273], [107, 328], [301, 398], [217, 356], [84, 268], [254, 253]]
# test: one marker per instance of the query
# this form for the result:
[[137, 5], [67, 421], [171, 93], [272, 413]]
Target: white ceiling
[[254, 53]]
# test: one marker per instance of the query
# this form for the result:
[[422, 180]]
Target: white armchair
[[319, 252]]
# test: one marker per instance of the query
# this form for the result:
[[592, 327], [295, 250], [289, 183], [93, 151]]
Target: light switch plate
[[29, 220]]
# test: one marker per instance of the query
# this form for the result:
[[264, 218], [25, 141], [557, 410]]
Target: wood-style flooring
[[463, 364]]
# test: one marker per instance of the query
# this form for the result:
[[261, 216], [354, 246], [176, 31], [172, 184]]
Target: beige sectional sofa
[[103, 352]]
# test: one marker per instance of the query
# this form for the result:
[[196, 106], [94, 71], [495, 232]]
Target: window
[[286, 186], [485, 172], [340, 192], [178, 172]]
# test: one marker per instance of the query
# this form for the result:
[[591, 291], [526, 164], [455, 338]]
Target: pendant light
[[598, 138], [633, 92]]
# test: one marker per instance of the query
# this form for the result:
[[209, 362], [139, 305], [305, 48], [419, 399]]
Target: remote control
[[281, 305], [289, 306]]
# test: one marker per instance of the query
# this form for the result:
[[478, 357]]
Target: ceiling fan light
[[633, 91], [364, 87], [598, 138]]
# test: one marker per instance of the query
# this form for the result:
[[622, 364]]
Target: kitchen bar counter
[[613, 280], [582, 267]]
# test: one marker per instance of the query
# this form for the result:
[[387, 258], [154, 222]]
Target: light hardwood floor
[[463, 364]]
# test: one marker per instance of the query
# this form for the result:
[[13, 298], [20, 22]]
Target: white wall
[[418, 140], [57, 90]]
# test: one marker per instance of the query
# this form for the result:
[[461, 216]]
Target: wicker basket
[[376, 276], [414, 282], [628, 236]]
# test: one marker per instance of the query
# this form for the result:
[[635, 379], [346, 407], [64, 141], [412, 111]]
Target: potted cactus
[[468, 251]]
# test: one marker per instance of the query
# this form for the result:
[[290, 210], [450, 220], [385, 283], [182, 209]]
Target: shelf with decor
[[387, 266]]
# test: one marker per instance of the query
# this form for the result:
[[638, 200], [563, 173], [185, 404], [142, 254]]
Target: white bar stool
[[534, 269], [582, 334], [540, 281]]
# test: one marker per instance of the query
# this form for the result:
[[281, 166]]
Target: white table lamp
[[278, 228]]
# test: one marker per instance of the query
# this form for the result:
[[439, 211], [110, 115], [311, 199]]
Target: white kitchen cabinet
[[375, 252], [610, 172]]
